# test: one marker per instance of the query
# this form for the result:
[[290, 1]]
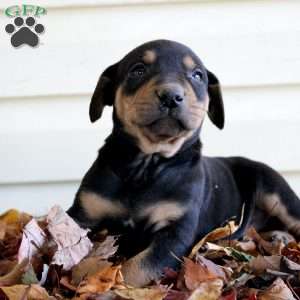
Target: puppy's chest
[[135, 213]]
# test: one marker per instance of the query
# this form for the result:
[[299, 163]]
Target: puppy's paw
[[137, 272]]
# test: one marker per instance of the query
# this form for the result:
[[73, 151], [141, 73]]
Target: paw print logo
[[24, 33]]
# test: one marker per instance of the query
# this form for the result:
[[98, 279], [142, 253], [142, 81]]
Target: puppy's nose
[[170, 98]]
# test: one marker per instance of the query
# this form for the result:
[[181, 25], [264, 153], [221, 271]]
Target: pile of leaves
[[53, 258]]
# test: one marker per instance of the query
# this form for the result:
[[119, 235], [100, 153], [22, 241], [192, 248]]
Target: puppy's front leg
[[175, 239], [90, 208]]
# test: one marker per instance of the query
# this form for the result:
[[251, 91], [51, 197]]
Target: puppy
[[150, 183]]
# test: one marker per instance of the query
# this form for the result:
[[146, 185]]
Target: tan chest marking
[[273, 205], [97, 206], [162, 214]]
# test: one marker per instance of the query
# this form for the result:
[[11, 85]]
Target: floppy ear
[[216, 106], [104, 93]]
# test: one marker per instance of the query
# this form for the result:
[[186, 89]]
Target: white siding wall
[[46, 140]]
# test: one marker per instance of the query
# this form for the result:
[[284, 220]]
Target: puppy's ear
[[216, 107], [104, 93]]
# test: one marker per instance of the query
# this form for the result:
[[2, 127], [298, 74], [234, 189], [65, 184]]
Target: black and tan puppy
[[150, 182]]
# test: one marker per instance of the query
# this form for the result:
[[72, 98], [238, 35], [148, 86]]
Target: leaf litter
[[53, 258]]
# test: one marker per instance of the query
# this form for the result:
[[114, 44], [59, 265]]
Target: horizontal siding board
[[37, 199], [243, 46], [51, 138]]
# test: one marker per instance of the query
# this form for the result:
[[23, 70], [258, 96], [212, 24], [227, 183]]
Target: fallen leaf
[[292, 253], [6, 266], [246, 246], [66, 283], [218, 233], [14, 220], [72, 241], [11, 216], [105, 249], [238, 255], [28, 292], [210, 290], [33, 239], [88, 267], [2, 230], [260, 263], [29, 277], [273, 248], [102, 281], [177, 295], [204, 270], [230, 295], [152, 293], [278, 235], [241, 280], [277, 291], [15, 275], [290, 264], [16, 292]]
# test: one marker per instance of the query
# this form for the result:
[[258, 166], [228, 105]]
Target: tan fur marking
[[137, 272], [273, 205], [97, 206], [189, 62], [162, 213], [149, 57], [197, 109]]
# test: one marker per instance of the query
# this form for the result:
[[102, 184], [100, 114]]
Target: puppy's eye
[[197, 75], [137, 71]]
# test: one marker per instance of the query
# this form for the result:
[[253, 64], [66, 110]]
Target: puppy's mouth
[[166, 129]]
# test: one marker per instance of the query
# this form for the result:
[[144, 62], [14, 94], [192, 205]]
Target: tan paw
[[137, 272]]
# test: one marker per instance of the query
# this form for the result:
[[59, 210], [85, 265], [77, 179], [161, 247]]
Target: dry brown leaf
[[16, 292], [260, 263], [14, 276], [2, 230], [102, 281], [14, 217], [210, 290], [277, 291], [6, 266], [66, 283], [12, 222], [214, 235], [196, 273], [11, 216], [152, 293], [278, 235], [247, 246], [36, 292], [292, 252], [21, 291], [105, 249], [72, 241], [272, 248], [88, 267]]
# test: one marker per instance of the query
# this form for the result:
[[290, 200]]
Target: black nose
[[170, 98]]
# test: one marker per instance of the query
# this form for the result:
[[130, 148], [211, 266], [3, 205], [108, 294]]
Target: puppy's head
[[161, 92]]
